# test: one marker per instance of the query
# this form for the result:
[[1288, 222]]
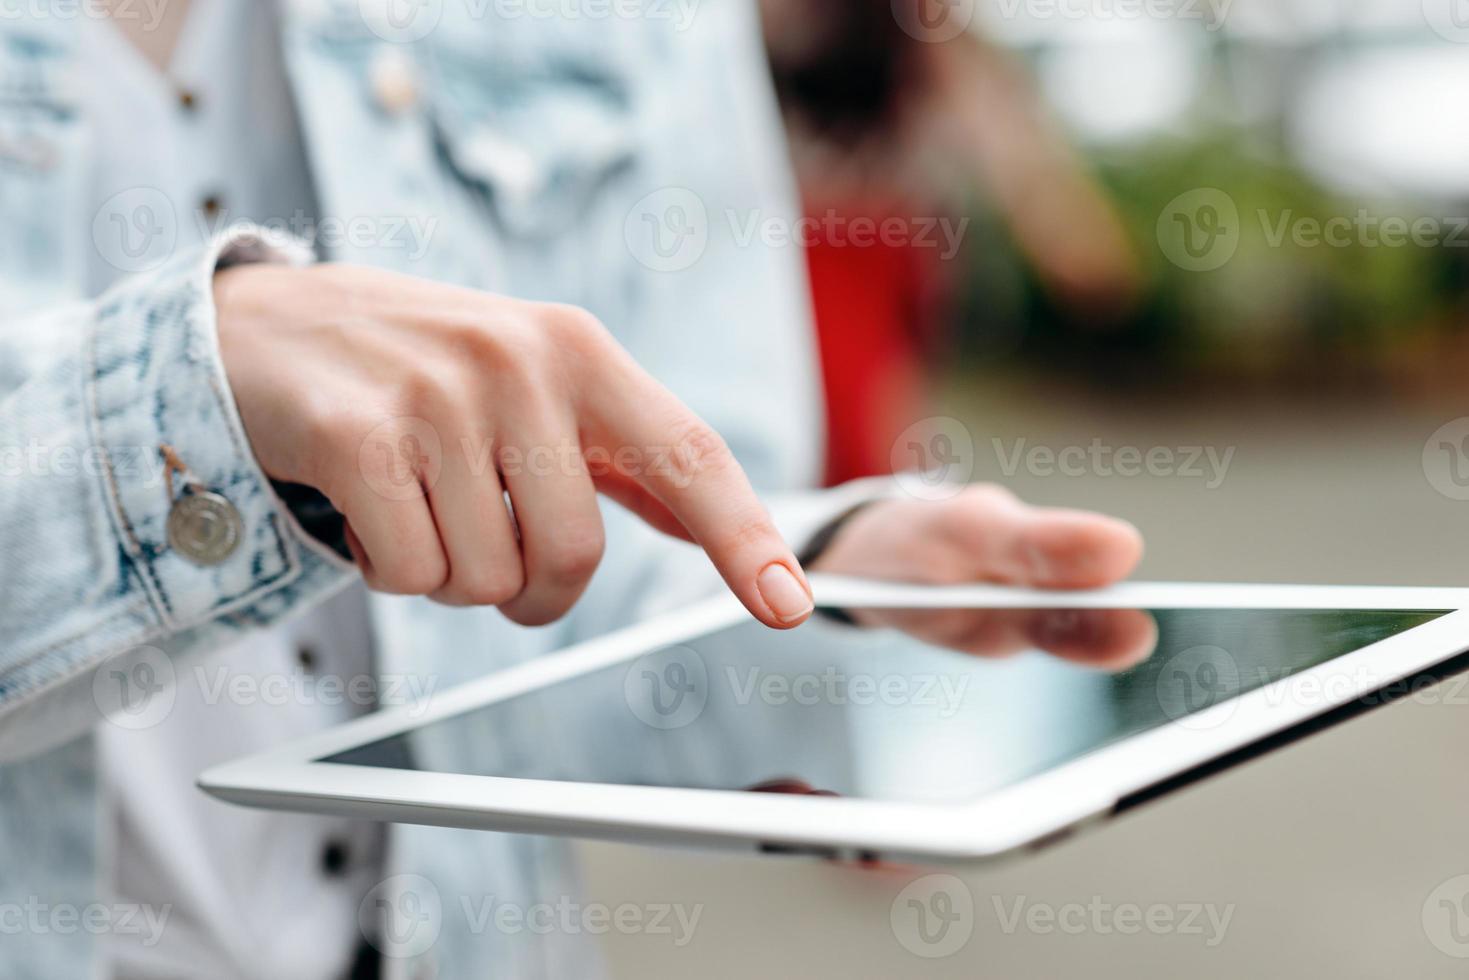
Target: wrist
[[249, 293], [885, 539], [252, 303], [815, 555]]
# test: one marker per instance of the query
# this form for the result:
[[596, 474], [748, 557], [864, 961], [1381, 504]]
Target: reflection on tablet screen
[[878, 713]]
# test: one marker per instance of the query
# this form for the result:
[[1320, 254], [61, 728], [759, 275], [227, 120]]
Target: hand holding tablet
[[984, 534], [417, 408]]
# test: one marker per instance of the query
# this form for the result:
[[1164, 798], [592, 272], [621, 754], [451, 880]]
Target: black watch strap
[[818, 544]]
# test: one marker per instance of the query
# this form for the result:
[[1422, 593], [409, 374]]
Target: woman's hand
[[415, 408], [984, 534]]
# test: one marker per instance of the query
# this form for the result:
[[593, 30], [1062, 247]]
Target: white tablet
[[705, 728]]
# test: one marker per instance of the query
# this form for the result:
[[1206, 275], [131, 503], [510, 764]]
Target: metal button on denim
[[394, 81], [204, 527]]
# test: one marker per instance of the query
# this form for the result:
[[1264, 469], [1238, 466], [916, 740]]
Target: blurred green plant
[[1284, 305]]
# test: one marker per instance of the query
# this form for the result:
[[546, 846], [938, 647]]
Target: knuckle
[[574, 555], [492, 343], [399, 458], [571, 323], [411, 577], [426, 389], [496, 587], [747, 532], [577, 340], [696, 449], [489, 588]]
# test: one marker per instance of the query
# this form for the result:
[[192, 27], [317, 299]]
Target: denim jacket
[[615, 158]]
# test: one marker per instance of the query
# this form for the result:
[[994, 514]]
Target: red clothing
[[874, 314]]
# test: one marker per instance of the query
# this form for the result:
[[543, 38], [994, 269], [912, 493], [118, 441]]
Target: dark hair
[[855, 83]]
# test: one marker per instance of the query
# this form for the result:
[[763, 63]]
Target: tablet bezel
[[1037, 809]]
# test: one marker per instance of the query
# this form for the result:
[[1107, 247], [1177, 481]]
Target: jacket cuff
[[193, 514]]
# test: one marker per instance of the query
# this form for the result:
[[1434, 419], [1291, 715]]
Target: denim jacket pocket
[[538, 140]]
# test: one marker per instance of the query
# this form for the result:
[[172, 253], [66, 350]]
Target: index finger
[[686, 466]]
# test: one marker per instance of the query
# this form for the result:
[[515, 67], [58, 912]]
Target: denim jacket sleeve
[[90, 396]]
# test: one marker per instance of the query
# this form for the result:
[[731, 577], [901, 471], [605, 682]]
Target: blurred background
[[1235, 233], [1235, 227]]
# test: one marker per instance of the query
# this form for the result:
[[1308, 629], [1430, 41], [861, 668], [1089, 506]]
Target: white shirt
[[248, 893]]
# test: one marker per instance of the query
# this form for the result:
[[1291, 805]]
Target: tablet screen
[[941, 706]]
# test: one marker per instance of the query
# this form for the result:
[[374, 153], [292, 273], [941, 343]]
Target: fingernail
[[784, 593]]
